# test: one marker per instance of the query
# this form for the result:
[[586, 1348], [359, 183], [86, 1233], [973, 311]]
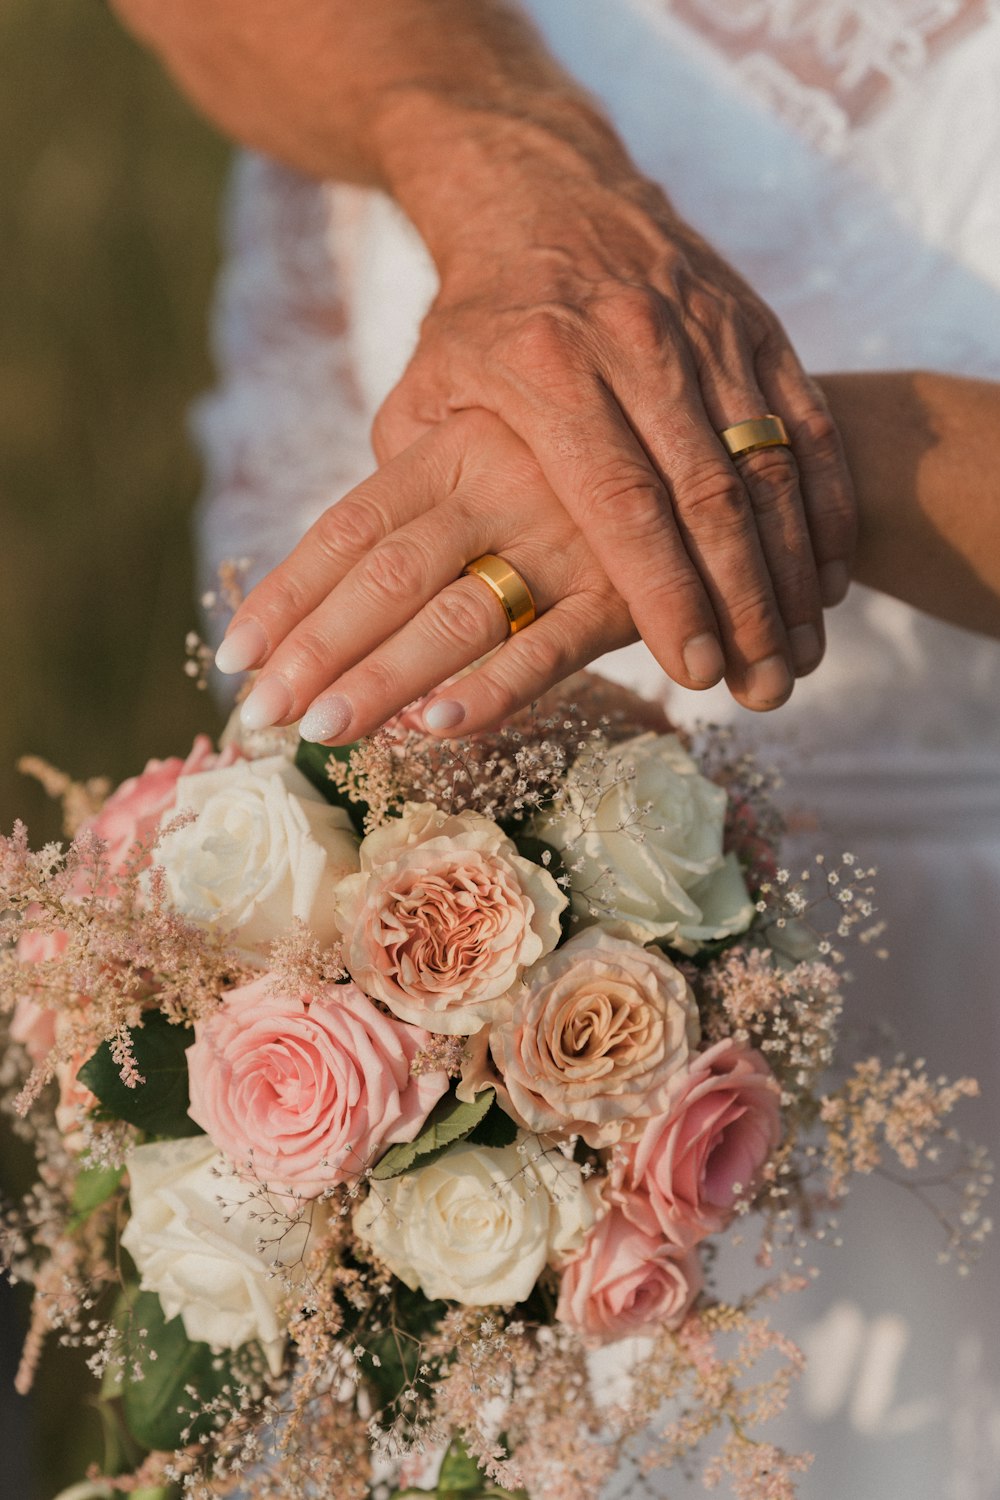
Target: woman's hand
[[371, 611]]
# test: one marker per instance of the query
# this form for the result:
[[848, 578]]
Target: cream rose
[[444, 917], [263, 849], [594, 1037], [478, 1225], [641, 830], [200, 1257]]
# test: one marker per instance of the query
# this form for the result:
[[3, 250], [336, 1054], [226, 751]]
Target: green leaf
[[159, 1106], [312, 760], [151, 1404], [462, 1479], [94, 1186], [403, 1321], [496, 1129], [449, 1121]]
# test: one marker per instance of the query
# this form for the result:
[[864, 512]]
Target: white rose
[[478, 1225], [263, 850], [641, 832], [200, 1257]]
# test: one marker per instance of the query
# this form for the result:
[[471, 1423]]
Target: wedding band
[[756, 432], [509, 587]]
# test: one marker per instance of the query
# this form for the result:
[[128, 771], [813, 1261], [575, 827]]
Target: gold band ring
[[508, 586], [756, 432]]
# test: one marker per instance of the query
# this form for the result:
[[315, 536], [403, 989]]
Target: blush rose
[[628, 1278], [131, 815], [593, 1038], [312, 1087], [707, 1150], [444, 917]]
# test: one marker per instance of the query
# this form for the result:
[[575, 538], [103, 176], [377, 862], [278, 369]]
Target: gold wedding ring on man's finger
[[768, 431], [508, 587]]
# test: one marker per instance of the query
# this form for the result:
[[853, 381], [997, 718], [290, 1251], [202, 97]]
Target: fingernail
[[834, 581], [327, 718], [444, 715], [806, 648], [242, 648], [703, 659], [769, 681], [268, 703]]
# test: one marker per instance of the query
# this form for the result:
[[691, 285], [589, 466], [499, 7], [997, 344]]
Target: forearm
[[442, 103], [924, 452]]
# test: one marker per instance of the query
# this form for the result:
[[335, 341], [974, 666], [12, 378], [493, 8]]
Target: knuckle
[[309, 656], [714, 496], [815, 431], [626, 496], [540, 345], [752, 617], [378, 683], [458, 616], [772, 479], [544, 655], [636, 316], [349, 531], [392, 571]]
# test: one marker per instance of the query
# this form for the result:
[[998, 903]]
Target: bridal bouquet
[[374, 1092]]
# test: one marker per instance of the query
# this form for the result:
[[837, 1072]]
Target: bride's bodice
[[845, 157]]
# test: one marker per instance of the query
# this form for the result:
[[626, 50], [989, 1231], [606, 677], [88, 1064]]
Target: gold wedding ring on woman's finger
[[508, 586], [768, 431]]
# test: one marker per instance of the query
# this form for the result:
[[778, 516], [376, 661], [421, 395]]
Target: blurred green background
[[109, 197]]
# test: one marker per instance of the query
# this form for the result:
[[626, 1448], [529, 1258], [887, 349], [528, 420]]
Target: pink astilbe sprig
[[122, 947]]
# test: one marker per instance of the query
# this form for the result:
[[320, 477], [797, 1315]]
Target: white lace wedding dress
[[846, 157]]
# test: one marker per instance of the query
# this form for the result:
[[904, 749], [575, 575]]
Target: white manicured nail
[[269, 703], [242, 648], [326, 719], [445, 714]]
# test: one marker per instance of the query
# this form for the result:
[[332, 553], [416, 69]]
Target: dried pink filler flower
[[304, 1076]]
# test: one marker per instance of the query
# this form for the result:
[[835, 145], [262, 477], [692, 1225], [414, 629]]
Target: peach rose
[[132, 813], [444, 917], [311, 1087], [627, 1279], [594, 1037], [706, 1152]]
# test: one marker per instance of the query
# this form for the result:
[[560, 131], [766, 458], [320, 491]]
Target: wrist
[[469, 172]]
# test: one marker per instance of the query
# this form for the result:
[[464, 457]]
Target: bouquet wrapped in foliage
[[373, 1091]]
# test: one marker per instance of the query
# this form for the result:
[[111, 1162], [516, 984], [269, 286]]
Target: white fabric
[[858, 189]]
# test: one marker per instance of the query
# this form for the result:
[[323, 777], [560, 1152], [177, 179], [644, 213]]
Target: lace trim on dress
[[826, 65]]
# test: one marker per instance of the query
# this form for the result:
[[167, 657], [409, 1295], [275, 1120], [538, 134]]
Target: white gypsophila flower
[[479, 1224], [640, 830], [264, 849], [201, 1257]]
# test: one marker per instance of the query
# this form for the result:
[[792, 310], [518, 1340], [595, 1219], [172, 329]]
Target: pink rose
[[627, 1278], [444, 917], [706, 1152], [592, 1040], [132, 812], [313, 1087], [33, 1026]]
